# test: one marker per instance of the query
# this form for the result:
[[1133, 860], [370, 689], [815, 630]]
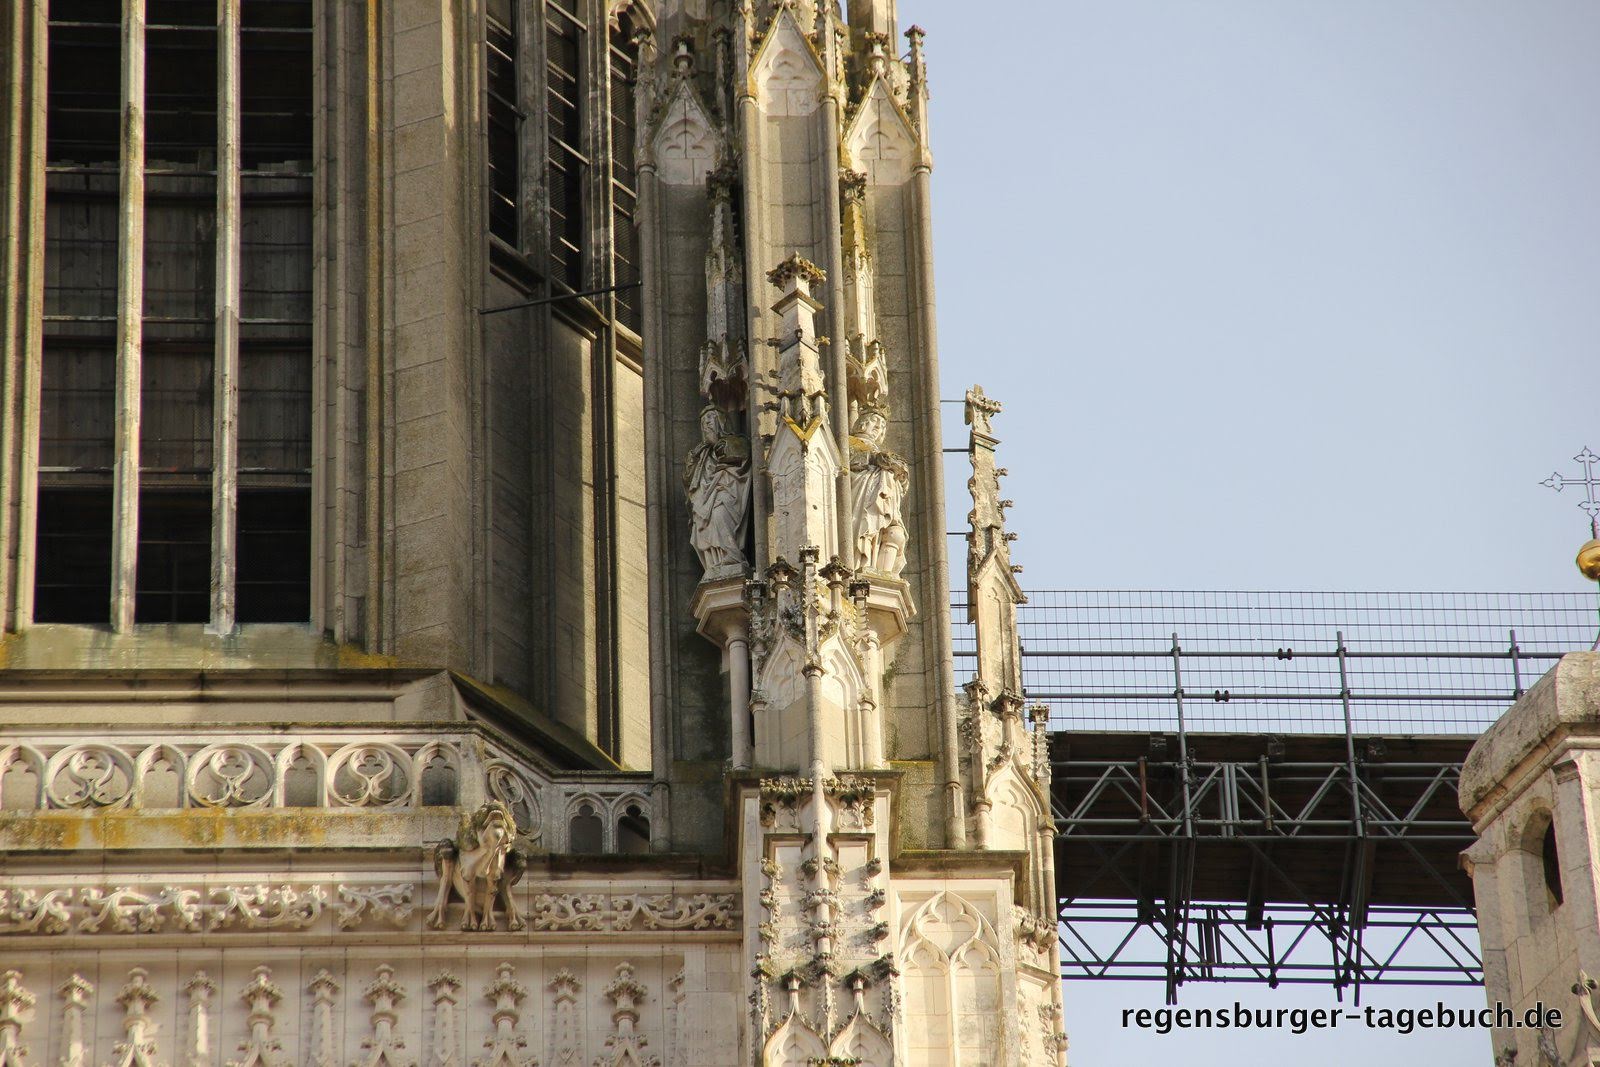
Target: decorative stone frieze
[[35, 911], [126, 910], [389, 903], [633, 911], [266, 775], [352, 907]]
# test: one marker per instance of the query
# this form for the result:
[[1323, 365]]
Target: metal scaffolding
[[1251, 858], [1262, 787]]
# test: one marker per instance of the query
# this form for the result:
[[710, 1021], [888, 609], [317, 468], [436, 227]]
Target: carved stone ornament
[[630, 911], [384, 1048], [1033, 931], [183, 909], [15, 1003], [868, 371], [260, 1049], [34, 911], [200, 989], [506, 1047], [723, 373], [796, 266], [76, 991], [479, 867], [565, 1037], [138, 1048], [446, 990], [323, 987], [716, 478], [625, 1046], [391, 903]]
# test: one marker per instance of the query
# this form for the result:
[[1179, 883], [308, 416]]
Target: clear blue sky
[[1278, 294]]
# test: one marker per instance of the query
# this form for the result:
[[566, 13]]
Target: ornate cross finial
[[1589, 480]]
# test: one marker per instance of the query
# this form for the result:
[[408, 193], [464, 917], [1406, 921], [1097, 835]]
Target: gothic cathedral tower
[[474, 577]]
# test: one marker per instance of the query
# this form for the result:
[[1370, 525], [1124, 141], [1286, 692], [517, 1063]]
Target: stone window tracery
[[952, 981]]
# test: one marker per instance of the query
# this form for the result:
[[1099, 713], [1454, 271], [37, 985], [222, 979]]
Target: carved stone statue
[[480, 866], [868, 371], [717, 480], [879, 481], [722, 373]]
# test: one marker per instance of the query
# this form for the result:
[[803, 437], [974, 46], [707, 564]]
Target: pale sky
[[1279, 294]]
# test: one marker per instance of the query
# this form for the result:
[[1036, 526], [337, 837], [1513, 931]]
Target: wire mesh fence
[[1286, 662]]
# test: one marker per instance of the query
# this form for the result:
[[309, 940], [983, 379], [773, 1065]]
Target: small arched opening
[[1550, 861], [633, 831], [586, 831]]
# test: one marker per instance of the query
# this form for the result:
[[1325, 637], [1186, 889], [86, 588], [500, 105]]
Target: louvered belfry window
[[208, 317], [273, 550], [77, 416], [505, 121], [564, 38], [624, 187]]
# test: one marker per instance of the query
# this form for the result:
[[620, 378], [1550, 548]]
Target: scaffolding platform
[[1262, 786]]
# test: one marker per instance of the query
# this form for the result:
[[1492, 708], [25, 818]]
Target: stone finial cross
[[1589, 480]]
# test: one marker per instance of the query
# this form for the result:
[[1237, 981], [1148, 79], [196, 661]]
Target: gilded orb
[[1589, 560]]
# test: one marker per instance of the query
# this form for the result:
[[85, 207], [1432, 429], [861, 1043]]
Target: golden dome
[[1589, 560]]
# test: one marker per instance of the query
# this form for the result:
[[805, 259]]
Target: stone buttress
[[892, 834]]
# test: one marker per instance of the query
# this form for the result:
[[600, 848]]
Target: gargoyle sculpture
[[480, 866]]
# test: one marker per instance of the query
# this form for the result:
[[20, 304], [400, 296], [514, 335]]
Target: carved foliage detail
[[628, 911]]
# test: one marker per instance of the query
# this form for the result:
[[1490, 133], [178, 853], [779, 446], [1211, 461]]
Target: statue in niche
[[480, 866], [717, 479], [879, 480]]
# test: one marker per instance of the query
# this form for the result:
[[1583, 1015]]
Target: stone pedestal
[[722, 618]]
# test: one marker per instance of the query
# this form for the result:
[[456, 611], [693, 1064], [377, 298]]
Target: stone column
[[225, 437], [130, 311], [739, 696]]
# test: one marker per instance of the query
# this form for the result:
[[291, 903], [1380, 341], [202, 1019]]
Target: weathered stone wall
[[550, 998], [1537, 769]]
